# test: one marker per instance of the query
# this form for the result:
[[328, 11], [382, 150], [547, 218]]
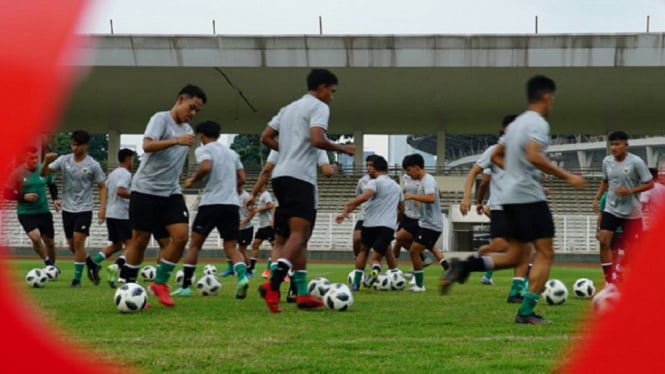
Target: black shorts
[[427, 237], [499, 227], [76, 222], [529, 221], [377, 238], [409, 225], [160, 232], [41, 221], [225, 218], [245, 236], [359, 225], [119, 229], [296, 199], [265, 233], [149, 212], [632, 228]]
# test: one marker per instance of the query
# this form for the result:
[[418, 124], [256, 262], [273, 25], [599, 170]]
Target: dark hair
[[507, 120], [210, 129], [654, 172], [80, 137], [618, 135], [191, 90], [538, 86], [380, 163], [413, 159], [30, 149], [124, 154], [370, 158], [318, 77]]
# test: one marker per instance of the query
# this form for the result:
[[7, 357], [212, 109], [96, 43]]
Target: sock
[[78, 270], [444, 264], [357, 277], [268, 263], [164, 270], [488, 275], [48, 261], [300, 280], [474, 263], [272, 267], [252, 263], [188, 271], [420, 277], [607, 271], [99, 258], [376, 267], [516, 287], [240, 269], [529, 302], [128, 273], [277, 277], [121, 262], [230, 265]]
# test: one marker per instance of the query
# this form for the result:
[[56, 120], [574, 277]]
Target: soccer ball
[[130, 298], [52, 272], [36, 278], [209, 285], [318, 287], [583, 288], [148, 273], [555, 292], [397, 280], [350, 278], [339, 297], [382, 283], [180, 276], [210, 270], [605, 300]]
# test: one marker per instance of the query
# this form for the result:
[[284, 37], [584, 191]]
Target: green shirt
[[26, 181]]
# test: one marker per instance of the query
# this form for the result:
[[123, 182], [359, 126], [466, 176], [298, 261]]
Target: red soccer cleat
[[162, 293], [270, 296], [308, 302]]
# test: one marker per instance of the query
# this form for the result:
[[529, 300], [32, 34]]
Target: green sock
[[516, 287], [357, 277], [526, 286], [164, 270], [241, 270], [268, 264], [78, 270], [300, 279], [272, 267], [99, 258], [529, 302], [488, 275], [420, 278], [230, 264]]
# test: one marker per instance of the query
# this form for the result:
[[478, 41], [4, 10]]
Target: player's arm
[[241, 178], [400, 211], [602, 188], [251, 212], [424, 198], [260, 182], [101, 215], [123, 192], [352, 204], [319, 139], [625, 191], [152, 145], [269, 205], [482, 190], [204, 169], [498, 155], [329, 170], [535, 156], [53, 191], [48, 159], [269, 138], [465, 205]]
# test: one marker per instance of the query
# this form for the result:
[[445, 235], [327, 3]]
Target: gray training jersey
[[273, 158], [159, 171], [117, 207], [496, 177], [221, 183], [298, 157], [411, 207], [244, 212], [77, 181], [266, 216], [381, 209], [522, 178], [631, 172], [430, 214], [360, 187]]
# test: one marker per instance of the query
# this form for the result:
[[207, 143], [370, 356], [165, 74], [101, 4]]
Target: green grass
[[469, 330]]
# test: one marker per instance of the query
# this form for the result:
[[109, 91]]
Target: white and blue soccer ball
[[180, 277], [36, 278], [130, 298], [397, 280], [209, 285], [148, 273], [605, 300], [318, 287], [339, 297], [52, 272], [555, 293], [210, 269], [382, 283], [349, 279], [584, 288]]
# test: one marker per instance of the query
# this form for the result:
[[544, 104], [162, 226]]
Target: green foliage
[[252, 153], [97, 149], [470, 330]]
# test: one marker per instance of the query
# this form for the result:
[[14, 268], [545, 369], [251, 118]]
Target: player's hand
[[101, 216], [189, 182], [340, 218], [480, 209], [465, 205], [49, 157], [408, 196], [250, 201], [30, 197], [186, 139], [576, 181], [596, 204], [349, 149], [623, 191], [57, 205]]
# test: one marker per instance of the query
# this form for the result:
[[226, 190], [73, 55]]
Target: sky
[[371, 17]]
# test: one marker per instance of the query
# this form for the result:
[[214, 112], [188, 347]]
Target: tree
[[97, 149], [252, 153]]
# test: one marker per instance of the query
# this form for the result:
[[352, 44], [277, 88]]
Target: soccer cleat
[[355, 288], [265, 274], [228, 272], [408, 275], [456, 273], [287, 279], [487, 281], [249, 274], [241, 289], [515, 299], [416, 289], [532, 319], [182, 292], [162, 293], [112, 275], [412, 282], [93, 271], [291, 296], [270, 296], [308, 302], [373, 276], [75, 284]]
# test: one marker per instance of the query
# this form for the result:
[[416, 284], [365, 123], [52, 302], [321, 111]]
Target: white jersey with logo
[[221, 183], [630, 173], [265, 217], [430, 214], [381, 209], [77, 181], [411, 207]]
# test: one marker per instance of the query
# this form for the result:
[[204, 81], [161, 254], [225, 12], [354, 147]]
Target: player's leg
[[189, 262], [608, 225]]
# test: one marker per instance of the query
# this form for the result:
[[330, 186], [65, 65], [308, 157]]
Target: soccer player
[[246, 229], [360, 187], [79, 173], [430, 224], [156, 198], [625, 176], [652, 201], [383, 201], [522, 155], [301, 127], [223, 173], [28, 189], [264, 210]]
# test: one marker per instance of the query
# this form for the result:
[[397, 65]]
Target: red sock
[[607, 272]]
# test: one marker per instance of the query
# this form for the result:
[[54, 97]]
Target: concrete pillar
[[358, 158], [584, 159], [652, 157], [114, 147], [440, 151]]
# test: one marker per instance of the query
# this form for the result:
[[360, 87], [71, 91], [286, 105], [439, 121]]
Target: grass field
[[470, 330]]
